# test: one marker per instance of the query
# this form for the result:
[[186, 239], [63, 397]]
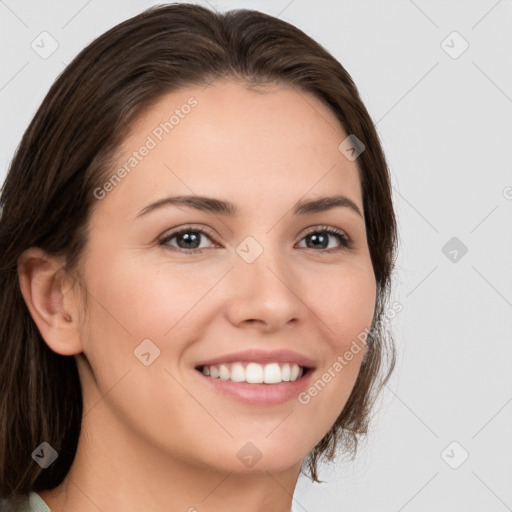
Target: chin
[[260, 455]]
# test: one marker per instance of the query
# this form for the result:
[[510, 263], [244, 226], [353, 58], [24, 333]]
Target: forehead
[[225, 140]]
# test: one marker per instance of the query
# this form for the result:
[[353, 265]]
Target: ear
[[51, 298]]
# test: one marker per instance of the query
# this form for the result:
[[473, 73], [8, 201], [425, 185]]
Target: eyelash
[[342, 237]]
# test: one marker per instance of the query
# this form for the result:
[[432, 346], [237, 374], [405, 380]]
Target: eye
[[318, 237], [188, 239]]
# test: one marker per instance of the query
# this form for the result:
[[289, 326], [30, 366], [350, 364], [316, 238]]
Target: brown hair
[[66, 153]]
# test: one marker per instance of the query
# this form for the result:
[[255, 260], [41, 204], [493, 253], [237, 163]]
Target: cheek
[[346, 309], [131, 300], [131, 295], [346, 303], [129, 303]]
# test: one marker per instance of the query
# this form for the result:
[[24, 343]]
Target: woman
[[197, 245]]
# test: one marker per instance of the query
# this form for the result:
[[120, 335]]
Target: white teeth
[[255, 373], [224, 372], [237, 373], [285, 372], [272, 374]]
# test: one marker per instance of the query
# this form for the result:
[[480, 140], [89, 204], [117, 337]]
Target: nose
[[266, 292]]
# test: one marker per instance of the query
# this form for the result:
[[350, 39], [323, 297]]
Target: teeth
[[272, 374], [254, 373], [237, 373], [224, 372], [294, 372], [285, 372]]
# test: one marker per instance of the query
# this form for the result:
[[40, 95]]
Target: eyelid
[[320, 227], [311, 229], [188, 227]]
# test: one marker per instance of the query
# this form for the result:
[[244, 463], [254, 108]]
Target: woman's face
[[270, 288]]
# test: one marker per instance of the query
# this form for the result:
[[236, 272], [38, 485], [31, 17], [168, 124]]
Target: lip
[[262, 357], [259, 394]]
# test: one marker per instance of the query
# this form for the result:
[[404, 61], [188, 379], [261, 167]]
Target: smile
[[254, 373], [257, 377]]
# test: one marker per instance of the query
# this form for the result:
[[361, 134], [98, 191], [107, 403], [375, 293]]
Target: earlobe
[[45, 286]]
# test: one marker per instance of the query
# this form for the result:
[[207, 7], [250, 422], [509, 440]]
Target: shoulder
[[31, 503]]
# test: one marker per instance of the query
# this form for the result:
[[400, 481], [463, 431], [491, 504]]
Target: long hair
[[66, 152]]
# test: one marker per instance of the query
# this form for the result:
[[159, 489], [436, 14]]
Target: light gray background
[[446, 128]]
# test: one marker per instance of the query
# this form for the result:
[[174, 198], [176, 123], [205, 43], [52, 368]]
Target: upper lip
[[261, 356]]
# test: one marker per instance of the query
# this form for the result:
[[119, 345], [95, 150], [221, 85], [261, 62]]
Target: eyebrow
[[221, 207]]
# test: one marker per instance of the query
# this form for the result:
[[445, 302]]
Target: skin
[[157, 437]]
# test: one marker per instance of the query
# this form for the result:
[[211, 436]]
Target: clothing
[[33, 503]]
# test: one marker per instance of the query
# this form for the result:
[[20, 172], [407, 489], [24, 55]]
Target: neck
[[115, 470]]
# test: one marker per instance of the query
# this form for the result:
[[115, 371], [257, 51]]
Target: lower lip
[[259, 394]]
